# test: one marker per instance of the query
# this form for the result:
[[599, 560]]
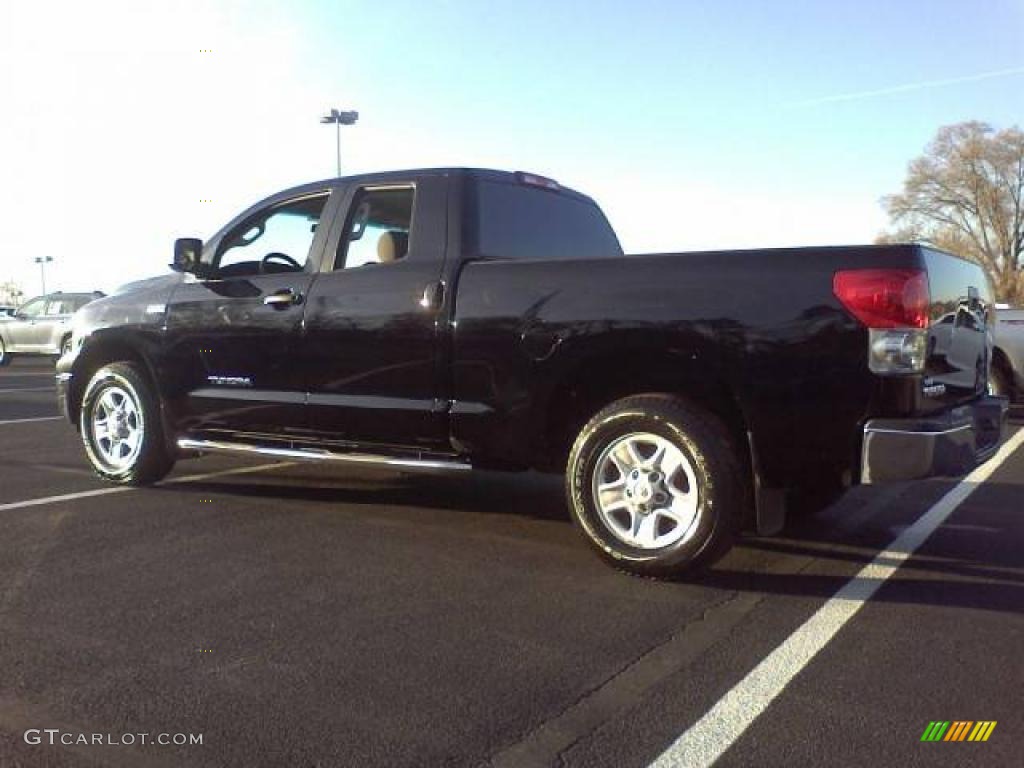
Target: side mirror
[[188, 253]]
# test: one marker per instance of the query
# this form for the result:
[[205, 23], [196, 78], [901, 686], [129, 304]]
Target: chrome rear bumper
[[948, 445]]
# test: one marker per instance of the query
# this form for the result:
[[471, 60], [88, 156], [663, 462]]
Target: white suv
[[41, 326]]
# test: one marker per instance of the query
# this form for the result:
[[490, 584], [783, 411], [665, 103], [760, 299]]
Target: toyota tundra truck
[[447, 320]]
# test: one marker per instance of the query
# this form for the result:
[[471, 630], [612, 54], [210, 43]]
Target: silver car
[[1008, 356], [41, 326]]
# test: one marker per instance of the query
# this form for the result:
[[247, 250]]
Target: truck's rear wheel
[[1000, 381], [120, 426], [4, 357], [656, 485]]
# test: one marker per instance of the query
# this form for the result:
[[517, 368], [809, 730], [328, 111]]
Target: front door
[[232, 338], [373, 324]]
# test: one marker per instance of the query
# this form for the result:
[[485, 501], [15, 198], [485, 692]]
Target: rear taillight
[[893, 304], [885, 298]]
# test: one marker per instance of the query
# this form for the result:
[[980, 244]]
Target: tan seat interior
[[392, 246]]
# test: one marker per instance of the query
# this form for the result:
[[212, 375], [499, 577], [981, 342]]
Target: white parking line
[[27, 421], [708, 739], [124, 489]]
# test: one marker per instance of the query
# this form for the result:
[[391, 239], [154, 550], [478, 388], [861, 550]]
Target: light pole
[[339, 119], [42, 261]]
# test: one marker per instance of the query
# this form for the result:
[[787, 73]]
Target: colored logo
[[958, 730]]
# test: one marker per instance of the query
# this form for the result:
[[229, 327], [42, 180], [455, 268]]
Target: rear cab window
[[515, 220], [379, 227]]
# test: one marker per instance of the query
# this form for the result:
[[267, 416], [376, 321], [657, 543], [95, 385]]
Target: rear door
[[369, 349], [56, 321], [231, 339], [967, 353]]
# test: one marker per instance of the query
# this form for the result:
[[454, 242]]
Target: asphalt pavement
[[295, 615]]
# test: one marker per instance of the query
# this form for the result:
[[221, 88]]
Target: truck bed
[[762, 328]]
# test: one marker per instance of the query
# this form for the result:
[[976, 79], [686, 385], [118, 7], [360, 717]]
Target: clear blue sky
[[699, 88], [696, 125]]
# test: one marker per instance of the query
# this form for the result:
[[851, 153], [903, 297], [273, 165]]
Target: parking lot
[[301, 616]]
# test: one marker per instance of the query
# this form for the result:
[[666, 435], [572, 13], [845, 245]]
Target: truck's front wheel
[[656, 485], [120, 426]]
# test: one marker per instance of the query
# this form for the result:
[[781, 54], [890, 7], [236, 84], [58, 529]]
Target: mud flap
[[769, 503], [770, 509]]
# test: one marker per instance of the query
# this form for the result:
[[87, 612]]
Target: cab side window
[[59, 307], [273, 241], [33, 308], [378, 228]]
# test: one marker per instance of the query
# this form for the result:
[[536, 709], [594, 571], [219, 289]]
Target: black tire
[[1000, 381], [149, 461], [5, 358], [722, 485]]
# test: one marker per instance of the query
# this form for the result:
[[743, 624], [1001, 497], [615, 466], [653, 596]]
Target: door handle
[[282, 299]]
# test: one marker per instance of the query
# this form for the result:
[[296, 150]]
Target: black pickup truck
[[450, 319]]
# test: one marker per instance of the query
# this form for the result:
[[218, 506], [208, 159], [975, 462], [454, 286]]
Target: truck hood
[[140, 304], [149, 284]]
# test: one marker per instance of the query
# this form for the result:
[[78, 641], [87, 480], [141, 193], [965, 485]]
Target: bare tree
[[964, 194]]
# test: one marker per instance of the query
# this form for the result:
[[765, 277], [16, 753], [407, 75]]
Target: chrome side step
[[314, 454]]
